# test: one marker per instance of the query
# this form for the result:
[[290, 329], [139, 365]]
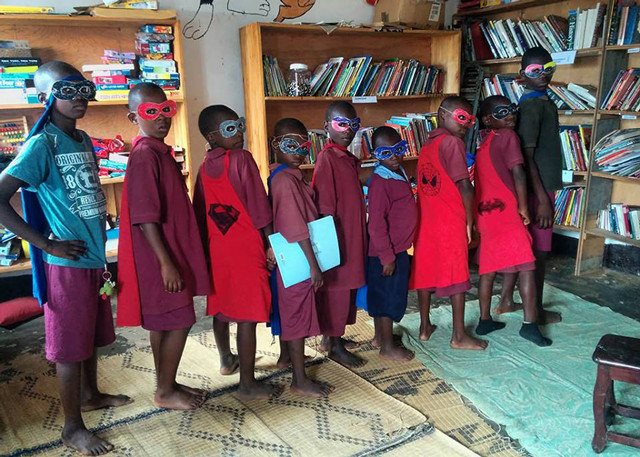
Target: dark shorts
[[387, 295], [541, 238], [76, 318], [171, 320]]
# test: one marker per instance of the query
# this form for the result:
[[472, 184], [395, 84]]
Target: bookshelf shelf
[[575, 112], [612, 236], [622, 47], [589, 52], [504, 8], [29, 106], [330, 99], [600, 174], [570, 228]]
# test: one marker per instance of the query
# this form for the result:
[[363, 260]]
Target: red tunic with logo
[[440, 260], [505, 242]]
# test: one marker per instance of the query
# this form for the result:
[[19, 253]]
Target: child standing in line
[[338, 193], [58, 164], [161, 264], [538, 131], [445, 201], [293, 209], [393, 216], [502, 216], [235, 220]]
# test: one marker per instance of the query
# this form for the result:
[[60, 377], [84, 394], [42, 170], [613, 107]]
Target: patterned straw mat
[[357, 419]]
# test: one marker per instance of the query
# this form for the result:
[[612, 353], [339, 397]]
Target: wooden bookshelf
[[430, 47], [520, 5], [51, 39]]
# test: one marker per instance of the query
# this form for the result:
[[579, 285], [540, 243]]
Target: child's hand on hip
[[66, 249], [271, 259], [171, 278], [389, 269], [316, 278]]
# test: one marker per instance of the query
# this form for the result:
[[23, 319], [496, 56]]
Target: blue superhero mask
[[385, 152]]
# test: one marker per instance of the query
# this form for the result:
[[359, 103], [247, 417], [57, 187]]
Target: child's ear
[[326, 126], [133, 118]]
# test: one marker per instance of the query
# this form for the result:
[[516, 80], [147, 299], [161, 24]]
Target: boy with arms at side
[[235, 220], [445, 221], [293, 209], [338, 193], [393, 216], [161, 263], [58, 164], [538, 131], [502, 216]]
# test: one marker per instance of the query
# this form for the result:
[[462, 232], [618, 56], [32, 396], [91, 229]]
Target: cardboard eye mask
[[151, 111], [461, 116], [342, 124], [231, 128], [385, 152], [535, 70], [69, 90], [502, 111], [291, 146]]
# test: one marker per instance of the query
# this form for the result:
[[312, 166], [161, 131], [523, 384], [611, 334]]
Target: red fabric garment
[[440, 257], [236, 252], [505, 154], [338, 192], [504, 239]]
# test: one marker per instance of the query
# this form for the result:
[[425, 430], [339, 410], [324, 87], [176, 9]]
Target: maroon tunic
[[393, 215], [293, 209], [157, 194]]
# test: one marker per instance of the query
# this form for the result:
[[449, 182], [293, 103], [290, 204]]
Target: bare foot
[[100, 400], [308, 388], [507, 306], [348, 344], [548, 317], [192, 390], [468, 342], [396, 353], [257, 391], [229, 364], [178, 399], [85, 442], [346, 358], [426, 331], [375, 342], [286, 362]]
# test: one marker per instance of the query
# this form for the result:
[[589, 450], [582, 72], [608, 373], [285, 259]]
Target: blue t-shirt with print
[[64, 173]]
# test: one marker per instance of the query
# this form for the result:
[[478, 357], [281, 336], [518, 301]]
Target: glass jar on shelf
[[299, 80]]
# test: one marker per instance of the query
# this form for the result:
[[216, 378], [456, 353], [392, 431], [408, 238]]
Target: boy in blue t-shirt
[[58, 164]]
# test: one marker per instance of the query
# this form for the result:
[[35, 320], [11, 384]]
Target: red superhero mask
[[150, 111], [461, 116]]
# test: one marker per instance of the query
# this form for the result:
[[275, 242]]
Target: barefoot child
[[235, 220], [293, 209], [543, 158], [502, 216], [445, 199], [393, 215], [338, 193], [161, 263], [58, 173]]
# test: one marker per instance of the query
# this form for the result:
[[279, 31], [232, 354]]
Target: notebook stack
[[621, 219], [569, 206], [575, 146], [618, 153], [16, 76], [114, 76], [155, 51], [624, 93]]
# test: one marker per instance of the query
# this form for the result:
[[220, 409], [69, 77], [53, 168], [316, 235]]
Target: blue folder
[[292, 263]]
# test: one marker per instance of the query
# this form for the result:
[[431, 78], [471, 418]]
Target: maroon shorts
[[527, 266], [448, 291], [541, 237], [76, 318], [176, 319], [336, 310]]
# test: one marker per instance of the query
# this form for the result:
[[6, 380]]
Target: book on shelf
[[624, 93], [318, 139], [503, 84], [569, 202], [573, 96], [575, 146], [274, 83], [621, 219], [618, 153], [624, 26], [16, 80]]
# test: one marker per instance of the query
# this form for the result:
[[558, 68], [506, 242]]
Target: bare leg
[[91, 397], [228, 360], [300, 383], [285, 356], [388, 350], [376, 342], [485, 291], [459, 338], [339, 353], [426, 327], [530, 330], [506, 304], [249, 388], [74, 433], [544, 317]]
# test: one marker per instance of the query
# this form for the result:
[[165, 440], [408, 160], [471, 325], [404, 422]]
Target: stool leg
[[611, 405], [603, 383]]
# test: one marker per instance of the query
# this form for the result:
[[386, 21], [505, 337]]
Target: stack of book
[[274, 83], [618, 153], [16, 80], [414, 128], [621, 219], [154, 48], [624, 25], [318, 140], [503, 84], [569, 206], [575, 146], [573, 96], [624, 93], [114, 76], [10, 247]]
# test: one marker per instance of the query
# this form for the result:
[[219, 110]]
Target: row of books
[[618, 153], [624, 26], [575, 146], [621, 219], [503, 84], [624, 93], [274, 83], [573, 96], [569, 202], [16, 74]]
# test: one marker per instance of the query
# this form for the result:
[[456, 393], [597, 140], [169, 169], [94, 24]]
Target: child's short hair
[[537, 54], [339, 105], [210, 118], [283, 126], [487, 105], [383, 132], [139, 91], [455, 101], [50, 72]]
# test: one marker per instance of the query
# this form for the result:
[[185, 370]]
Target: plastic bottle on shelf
[[299, 80]]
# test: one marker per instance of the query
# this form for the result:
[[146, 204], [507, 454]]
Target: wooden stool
[[618, 359]]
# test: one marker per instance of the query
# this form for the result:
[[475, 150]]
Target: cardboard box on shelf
[[427, 14]]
